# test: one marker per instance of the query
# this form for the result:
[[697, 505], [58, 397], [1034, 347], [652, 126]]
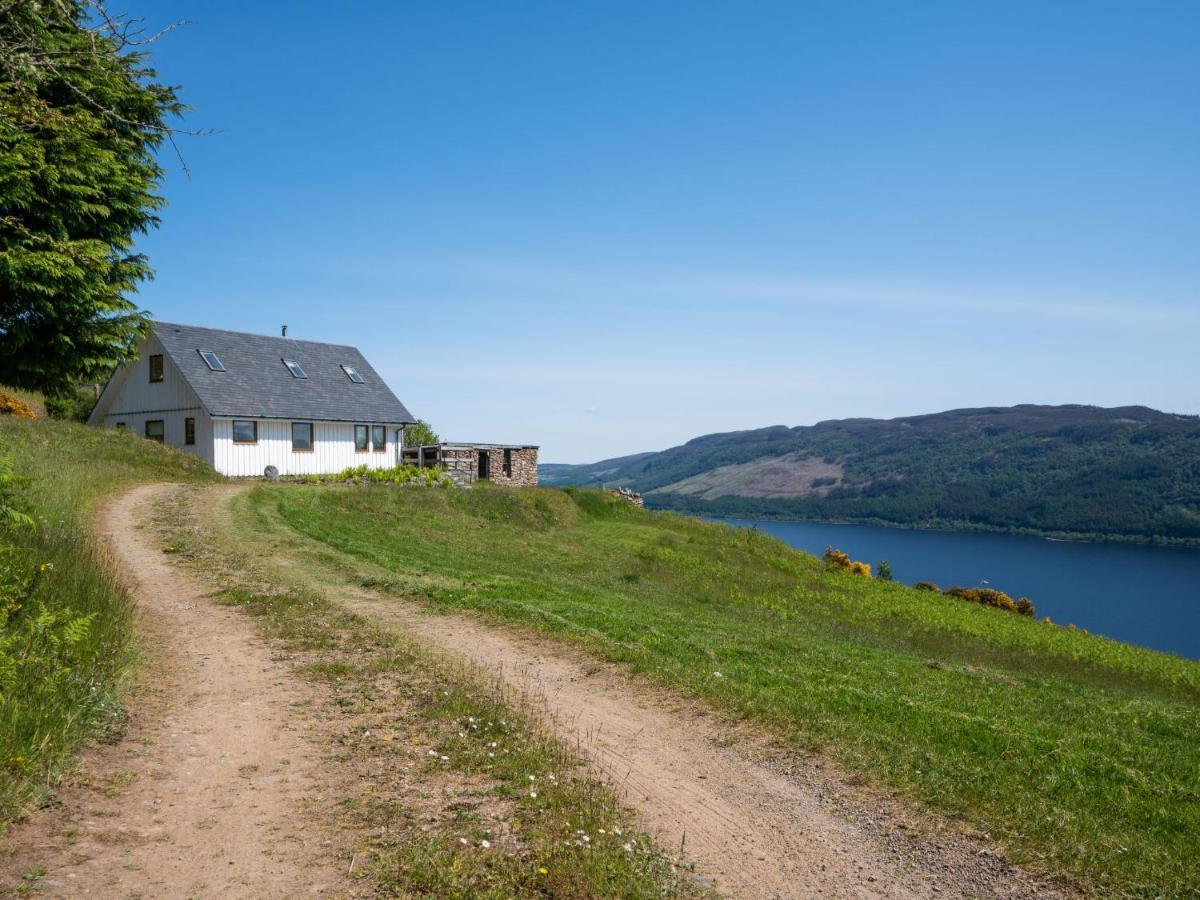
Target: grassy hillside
[[66, 625], [1078, 753], [1125, 473]]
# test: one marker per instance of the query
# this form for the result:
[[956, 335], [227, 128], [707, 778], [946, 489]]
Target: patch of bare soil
[[753, 823], [207, 793]]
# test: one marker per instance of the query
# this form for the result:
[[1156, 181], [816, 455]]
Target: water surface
[[1140, 594]]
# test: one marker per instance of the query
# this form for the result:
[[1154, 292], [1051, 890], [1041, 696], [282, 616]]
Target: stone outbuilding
[[511, 464]]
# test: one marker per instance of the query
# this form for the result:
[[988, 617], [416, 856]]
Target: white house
[[243, 402]]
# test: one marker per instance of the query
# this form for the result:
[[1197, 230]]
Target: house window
[[245, 432], [352, 374], [189, 431], [212, 360], [378, 438], [302, 437], [155, 430], [361, 437], [120, 426], [294, 368], [508, 463], [156, 367]]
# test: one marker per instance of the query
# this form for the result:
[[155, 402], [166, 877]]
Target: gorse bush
[[11, 405], [927, 586], [994, 598], [836, 559]]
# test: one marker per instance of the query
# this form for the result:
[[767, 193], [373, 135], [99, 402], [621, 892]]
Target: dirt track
[[205, 794], [752, 830]]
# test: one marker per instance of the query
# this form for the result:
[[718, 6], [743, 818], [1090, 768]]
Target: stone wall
[[462, 465], [523, 464]]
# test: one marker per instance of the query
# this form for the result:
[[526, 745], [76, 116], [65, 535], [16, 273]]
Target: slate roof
[[256, 383]]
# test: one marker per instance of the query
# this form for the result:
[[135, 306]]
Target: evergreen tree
[[80, 118]]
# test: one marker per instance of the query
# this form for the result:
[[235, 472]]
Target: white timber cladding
[[333, 449], [133, 399]]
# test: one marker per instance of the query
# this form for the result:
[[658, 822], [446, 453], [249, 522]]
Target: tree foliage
[[81, 116], [420, 434]]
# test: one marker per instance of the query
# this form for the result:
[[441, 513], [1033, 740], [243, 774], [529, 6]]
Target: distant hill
[[1085, 471]]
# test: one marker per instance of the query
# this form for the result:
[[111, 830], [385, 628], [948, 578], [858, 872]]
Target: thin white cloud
[[789, 290], [536, 286]]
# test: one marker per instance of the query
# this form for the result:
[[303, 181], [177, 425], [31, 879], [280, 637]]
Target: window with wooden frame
[[362, 438], [378, 438], [508, 464], [156, 368], [156, 430], [302, 437], [245, 432], [189, 431]]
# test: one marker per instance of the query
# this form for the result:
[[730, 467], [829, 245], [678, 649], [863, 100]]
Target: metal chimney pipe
[[285, 331]]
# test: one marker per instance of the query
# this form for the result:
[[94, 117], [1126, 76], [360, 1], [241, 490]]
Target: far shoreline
[[1157, 542]]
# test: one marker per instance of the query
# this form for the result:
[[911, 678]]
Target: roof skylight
[[294, 368], [212, 360], [353, 375]]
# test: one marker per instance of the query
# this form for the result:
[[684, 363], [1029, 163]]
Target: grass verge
[[447, 782], [1077, 754], [66, 623]]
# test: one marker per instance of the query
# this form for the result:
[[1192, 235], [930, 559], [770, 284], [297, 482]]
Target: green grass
[[454, 789], [66, 691], [451, 729], [1079, 755]]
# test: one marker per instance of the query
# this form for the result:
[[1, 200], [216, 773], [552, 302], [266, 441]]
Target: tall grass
[[1078, 754], [68, 634]]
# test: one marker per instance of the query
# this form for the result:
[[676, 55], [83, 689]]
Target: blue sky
[[607, 228]]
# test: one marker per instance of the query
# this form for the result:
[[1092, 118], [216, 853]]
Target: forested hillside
[[1122, 473]]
